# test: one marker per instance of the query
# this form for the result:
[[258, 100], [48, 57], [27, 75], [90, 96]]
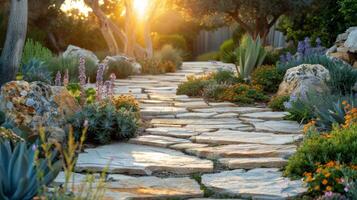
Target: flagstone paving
[[237, 150]]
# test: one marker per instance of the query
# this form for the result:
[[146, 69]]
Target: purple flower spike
[[66, 78], [301, 48], [82, 79], [289, 57], [58, 79], [318, 42], [99, 84], [283, 58], [113, 77]]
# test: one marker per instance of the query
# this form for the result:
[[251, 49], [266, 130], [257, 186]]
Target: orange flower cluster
[[310, 126], [351, 115]]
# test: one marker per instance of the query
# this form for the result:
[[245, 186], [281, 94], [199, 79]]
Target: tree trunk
[[15, 40], [148, 41], [109, 39]]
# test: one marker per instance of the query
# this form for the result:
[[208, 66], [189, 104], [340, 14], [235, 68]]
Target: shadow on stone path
[[238, 150]]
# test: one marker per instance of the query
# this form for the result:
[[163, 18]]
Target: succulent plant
[[35, 70], [251, 55], [19, 178]]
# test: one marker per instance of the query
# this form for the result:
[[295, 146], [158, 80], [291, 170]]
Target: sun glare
[[75, 5], [140, 7]]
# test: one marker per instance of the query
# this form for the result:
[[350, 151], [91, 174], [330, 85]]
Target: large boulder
[[33, 105], [345, 47], [301, 79], [135, 65], [77, 52]]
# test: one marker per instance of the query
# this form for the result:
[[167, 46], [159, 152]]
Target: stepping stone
[[241, 137], [188, 100], [279, 126], [252, 163], [192, 115], [239, 110], [226, 115], [176, 132], [156, 110], [195, 121], [250, 120], [150, 187], [157, 141], [255, 184], [75, 178], [184, 146], [194, 104], [217, 126], [139, 160], [243, 151], [222, 104], [266, 115]]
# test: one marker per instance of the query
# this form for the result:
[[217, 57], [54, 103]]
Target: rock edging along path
[[238, 150]]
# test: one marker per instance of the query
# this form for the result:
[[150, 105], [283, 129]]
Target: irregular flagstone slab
[[195, 121], [279, 126], [252, 163], [249, 120], [176, 132], [75, 178], [194, 104], [241, 137], [140, 160], [150, 187], [157, 141], [226, 115], [217, 126], [243, 151], [266, 115], [222, 104], [162, 110], [184, 146], [193, 115], [256, 184], [149, 117], [239, 110], [183, 100]]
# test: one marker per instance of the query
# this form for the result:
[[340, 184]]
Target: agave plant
[[19, 175], [251, 54], [36, 70]]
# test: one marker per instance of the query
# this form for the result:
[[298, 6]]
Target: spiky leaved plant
[[251, 55]]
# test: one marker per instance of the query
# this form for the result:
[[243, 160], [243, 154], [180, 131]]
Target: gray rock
[[266, 115], [262, 184], [351, 42], [252, 163], [135, 65], [296, 80], [77, 52], [157, 141], [140, 160], [287, 127]]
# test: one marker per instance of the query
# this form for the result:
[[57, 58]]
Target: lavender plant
[[58, 79], [99, 83]]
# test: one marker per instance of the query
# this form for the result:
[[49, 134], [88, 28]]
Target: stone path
[[236, 151]]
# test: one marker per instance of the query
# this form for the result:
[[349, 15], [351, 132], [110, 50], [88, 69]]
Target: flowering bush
[[244, 93], [127, 102]]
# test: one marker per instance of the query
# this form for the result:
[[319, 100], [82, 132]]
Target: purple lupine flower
[[288, 105], [107, 88], [99, 83], [289, 57], [318, 42], [82, 79], [283, 58], [66, 78], [112, 77], [58, 79], [328, 194], [34, 147], [301, 48], [307, 43]]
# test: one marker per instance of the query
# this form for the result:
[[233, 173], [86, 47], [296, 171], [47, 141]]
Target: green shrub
[[75, 90], [343, 76], [226, 51], [210, 56], [244, 93], [249, 55], [105, 123], [326, 109], [277, 103], [341, 145], [36, 70], [169, 54], [121, 68], [35, 50], [272, 57], [176, 41], [269, 77], [62, 64], [19, 174], [193, 87], [227, 77], [214, 91], [151, 66]]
